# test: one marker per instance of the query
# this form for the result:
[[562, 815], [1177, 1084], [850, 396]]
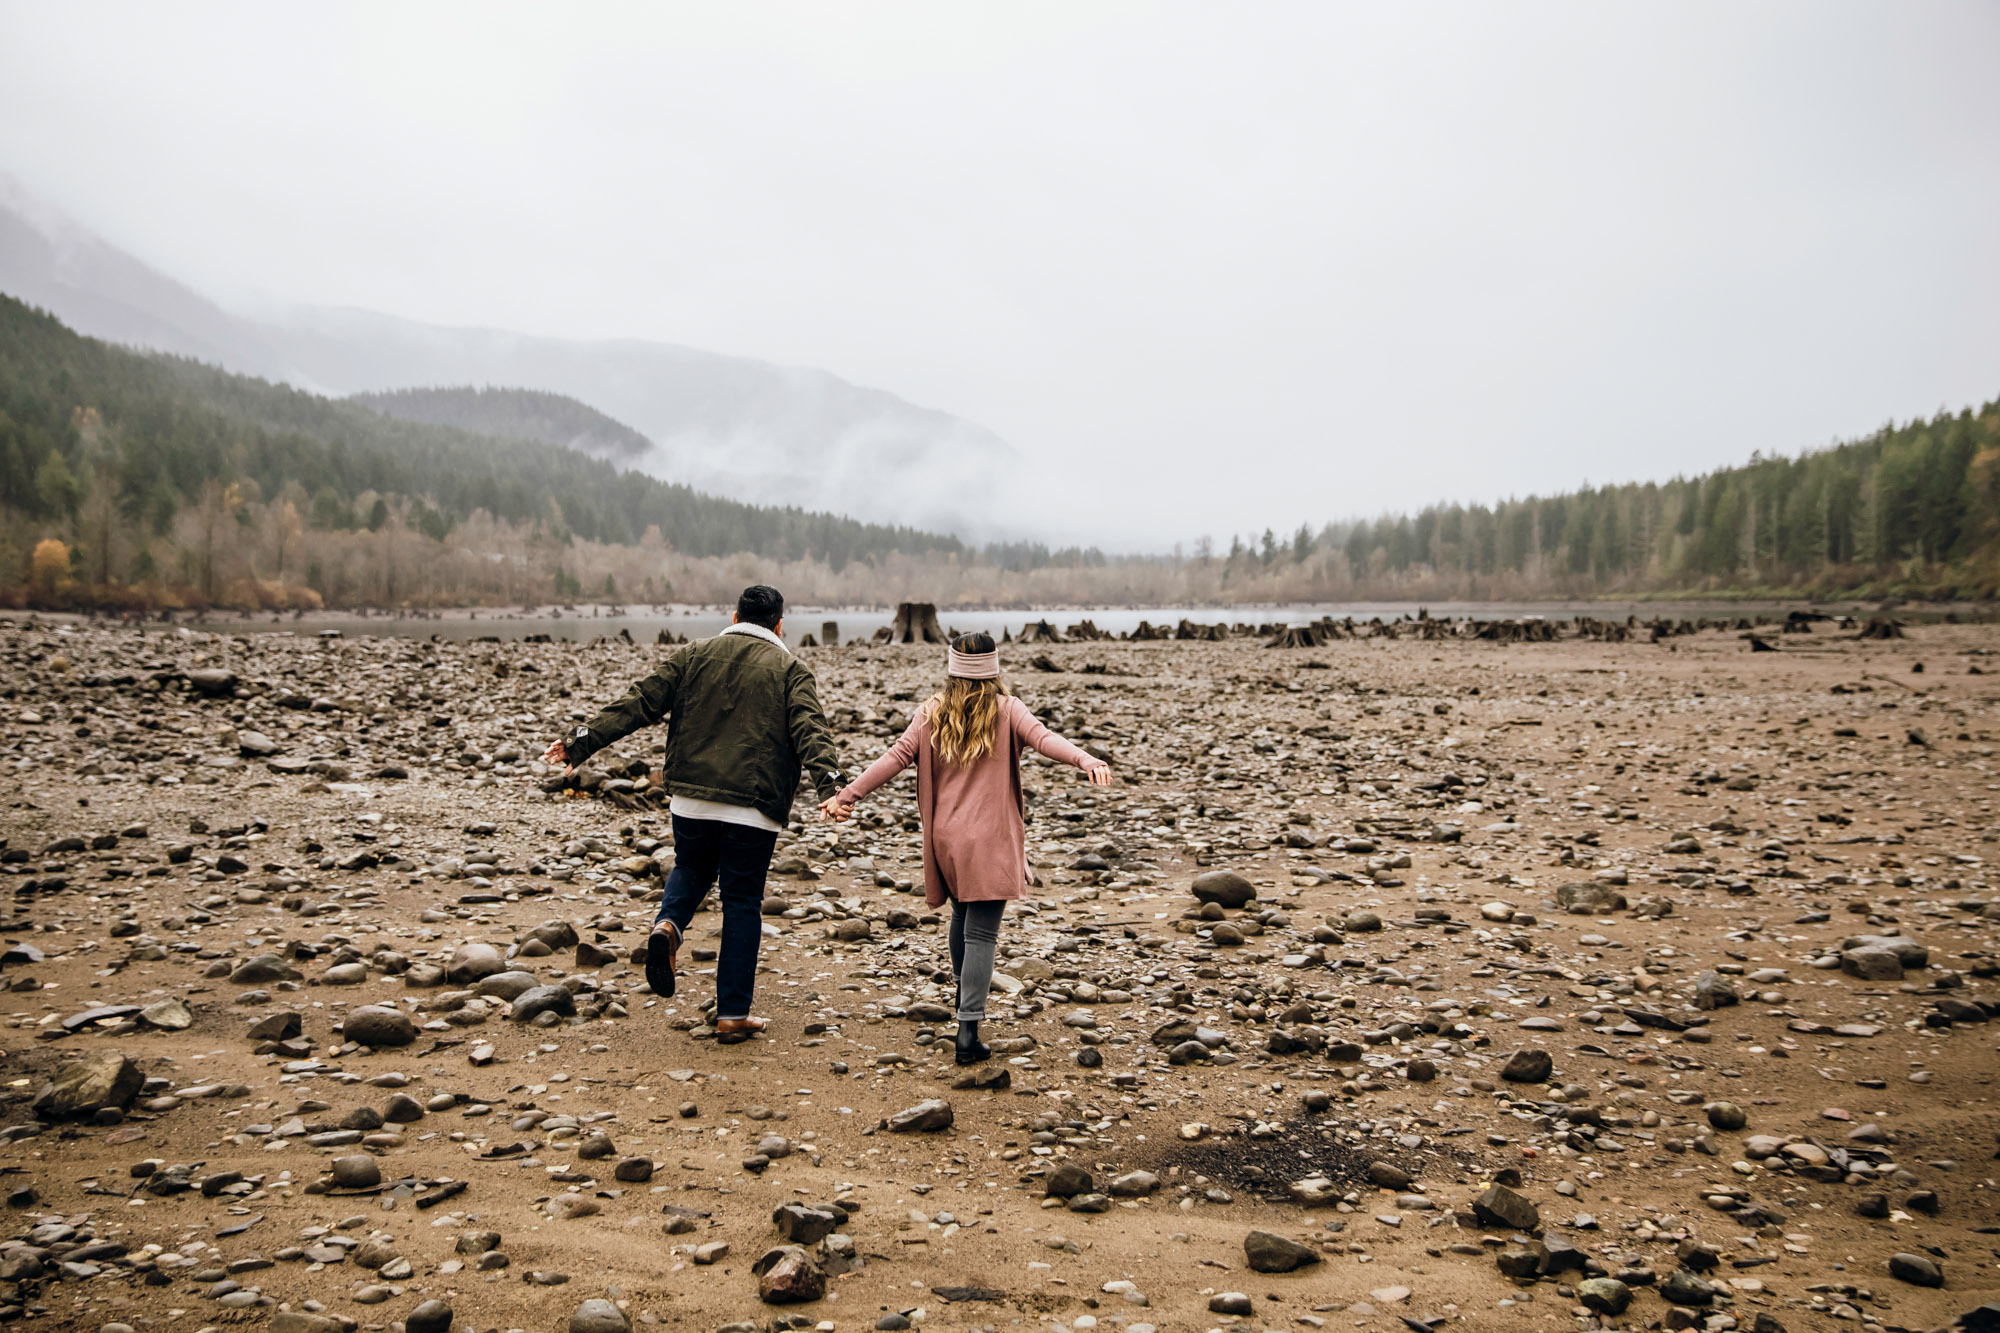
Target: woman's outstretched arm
[[1045, 742], [893, 761]]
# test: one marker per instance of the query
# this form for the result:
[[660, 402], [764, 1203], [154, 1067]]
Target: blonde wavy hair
[[965, 714]]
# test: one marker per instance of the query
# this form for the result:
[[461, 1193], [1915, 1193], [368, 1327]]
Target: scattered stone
[[599, 1316], [378, 1025], [1066, 1180], [1528, 1065], [1269, 1253], [538, 1000], [1225, 888], [788, 1275], [431, 1316], [1916, 1269], [358, 1172], [925, 1117], [1497, 1205], [1604, 1295], [170, 1015], [1726, 1115], [1683, 1287]]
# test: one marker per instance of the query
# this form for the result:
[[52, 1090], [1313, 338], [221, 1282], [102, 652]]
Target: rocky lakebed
[[1400, 983]]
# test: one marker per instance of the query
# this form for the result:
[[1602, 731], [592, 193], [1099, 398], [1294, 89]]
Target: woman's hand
[[835, 810], [1101, 776]]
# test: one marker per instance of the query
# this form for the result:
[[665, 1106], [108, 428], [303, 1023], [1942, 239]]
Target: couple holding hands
[[744, 723]]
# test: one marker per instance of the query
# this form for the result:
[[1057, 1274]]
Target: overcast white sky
[[1208, 267]]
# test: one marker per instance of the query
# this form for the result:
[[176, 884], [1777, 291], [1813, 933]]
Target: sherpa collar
[[758, 631]]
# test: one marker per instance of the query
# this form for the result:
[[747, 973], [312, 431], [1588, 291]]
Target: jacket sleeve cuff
[[580, 745]]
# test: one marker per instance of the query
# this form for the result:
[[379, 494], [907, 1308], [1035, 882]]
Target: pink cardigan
[[975, 846]]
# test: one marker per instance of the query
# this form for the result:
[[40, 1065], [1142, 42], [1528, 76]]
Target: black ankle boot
[[971, 1050]]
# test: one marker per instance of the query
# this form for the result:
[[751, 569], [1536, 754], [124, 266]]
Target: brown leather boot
[[729, 1031], [662, 951]]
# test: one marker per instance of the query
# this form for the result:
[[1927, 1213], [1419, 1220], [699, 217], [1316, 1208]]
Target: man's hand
[[833, 809], [1101, 776], [556, 754]]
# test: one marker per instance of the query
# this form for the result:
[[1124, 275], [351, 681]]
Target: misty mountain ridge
[[521, 414], [113, 446], [733, 426]]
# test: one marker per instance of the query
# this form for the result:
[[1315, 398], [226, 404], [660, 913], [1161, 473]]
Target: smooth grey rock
[[473, 961], [539, 1000], [1225, 887], [379, 1025], [1908, 952], [599, 1316], [430, 1317], [1916, 1269], [356, 1172], [509, 986], [301, 1321], [262, 969], [1726, 1115]]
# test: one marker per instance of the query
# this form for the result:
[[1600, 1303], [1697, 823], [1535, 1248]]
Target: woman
[[966, 742]]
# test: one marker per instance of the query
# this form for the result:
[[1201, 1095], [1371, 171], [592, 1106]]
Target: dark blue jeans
[[707, 851]]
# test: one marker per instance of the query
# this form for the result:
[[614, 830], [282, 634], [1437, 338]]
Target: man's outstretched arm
[[644, 705]]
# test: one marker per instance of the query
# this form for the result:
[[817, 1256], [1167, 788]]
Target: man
[[745, 720]]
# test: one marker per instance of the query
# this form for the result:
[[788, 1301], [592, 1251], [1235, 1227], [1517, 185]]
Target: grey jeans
[[975, 931]]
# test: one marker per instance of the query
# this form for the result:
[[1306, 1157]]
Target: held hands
[[834, 810], [555, 754]]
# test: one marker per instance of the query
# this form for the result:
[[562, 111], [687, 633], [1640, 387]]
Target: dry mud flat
[[1583, 985]]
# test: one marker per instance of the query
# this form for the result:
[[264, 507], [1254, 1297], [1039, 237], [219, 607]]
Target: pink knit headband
[[972, 666]]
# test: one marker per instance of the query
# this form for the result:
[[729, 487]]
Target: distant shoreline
[[695, 620]]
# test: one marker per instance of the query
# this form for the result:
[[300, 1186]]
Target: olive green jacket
[[744, 720]]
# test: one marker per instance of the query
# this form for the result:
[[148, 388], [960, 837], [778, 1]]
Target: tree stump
[[916, 622], [1041, 632]]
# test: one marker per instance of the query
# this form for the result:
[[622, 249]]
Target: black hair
[[974, 643], [761, 604]]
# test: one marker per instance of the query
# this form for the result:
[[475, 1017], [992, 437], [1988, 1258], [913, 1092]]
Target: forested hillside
[[1912, 509], [168, 479], [517, 414]]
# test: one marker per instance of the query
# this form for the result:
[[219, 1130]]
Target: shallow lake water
[[585, 623]]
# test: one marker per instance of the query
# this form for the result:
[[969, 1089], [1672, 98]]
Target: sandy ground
[[1376, 794]]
